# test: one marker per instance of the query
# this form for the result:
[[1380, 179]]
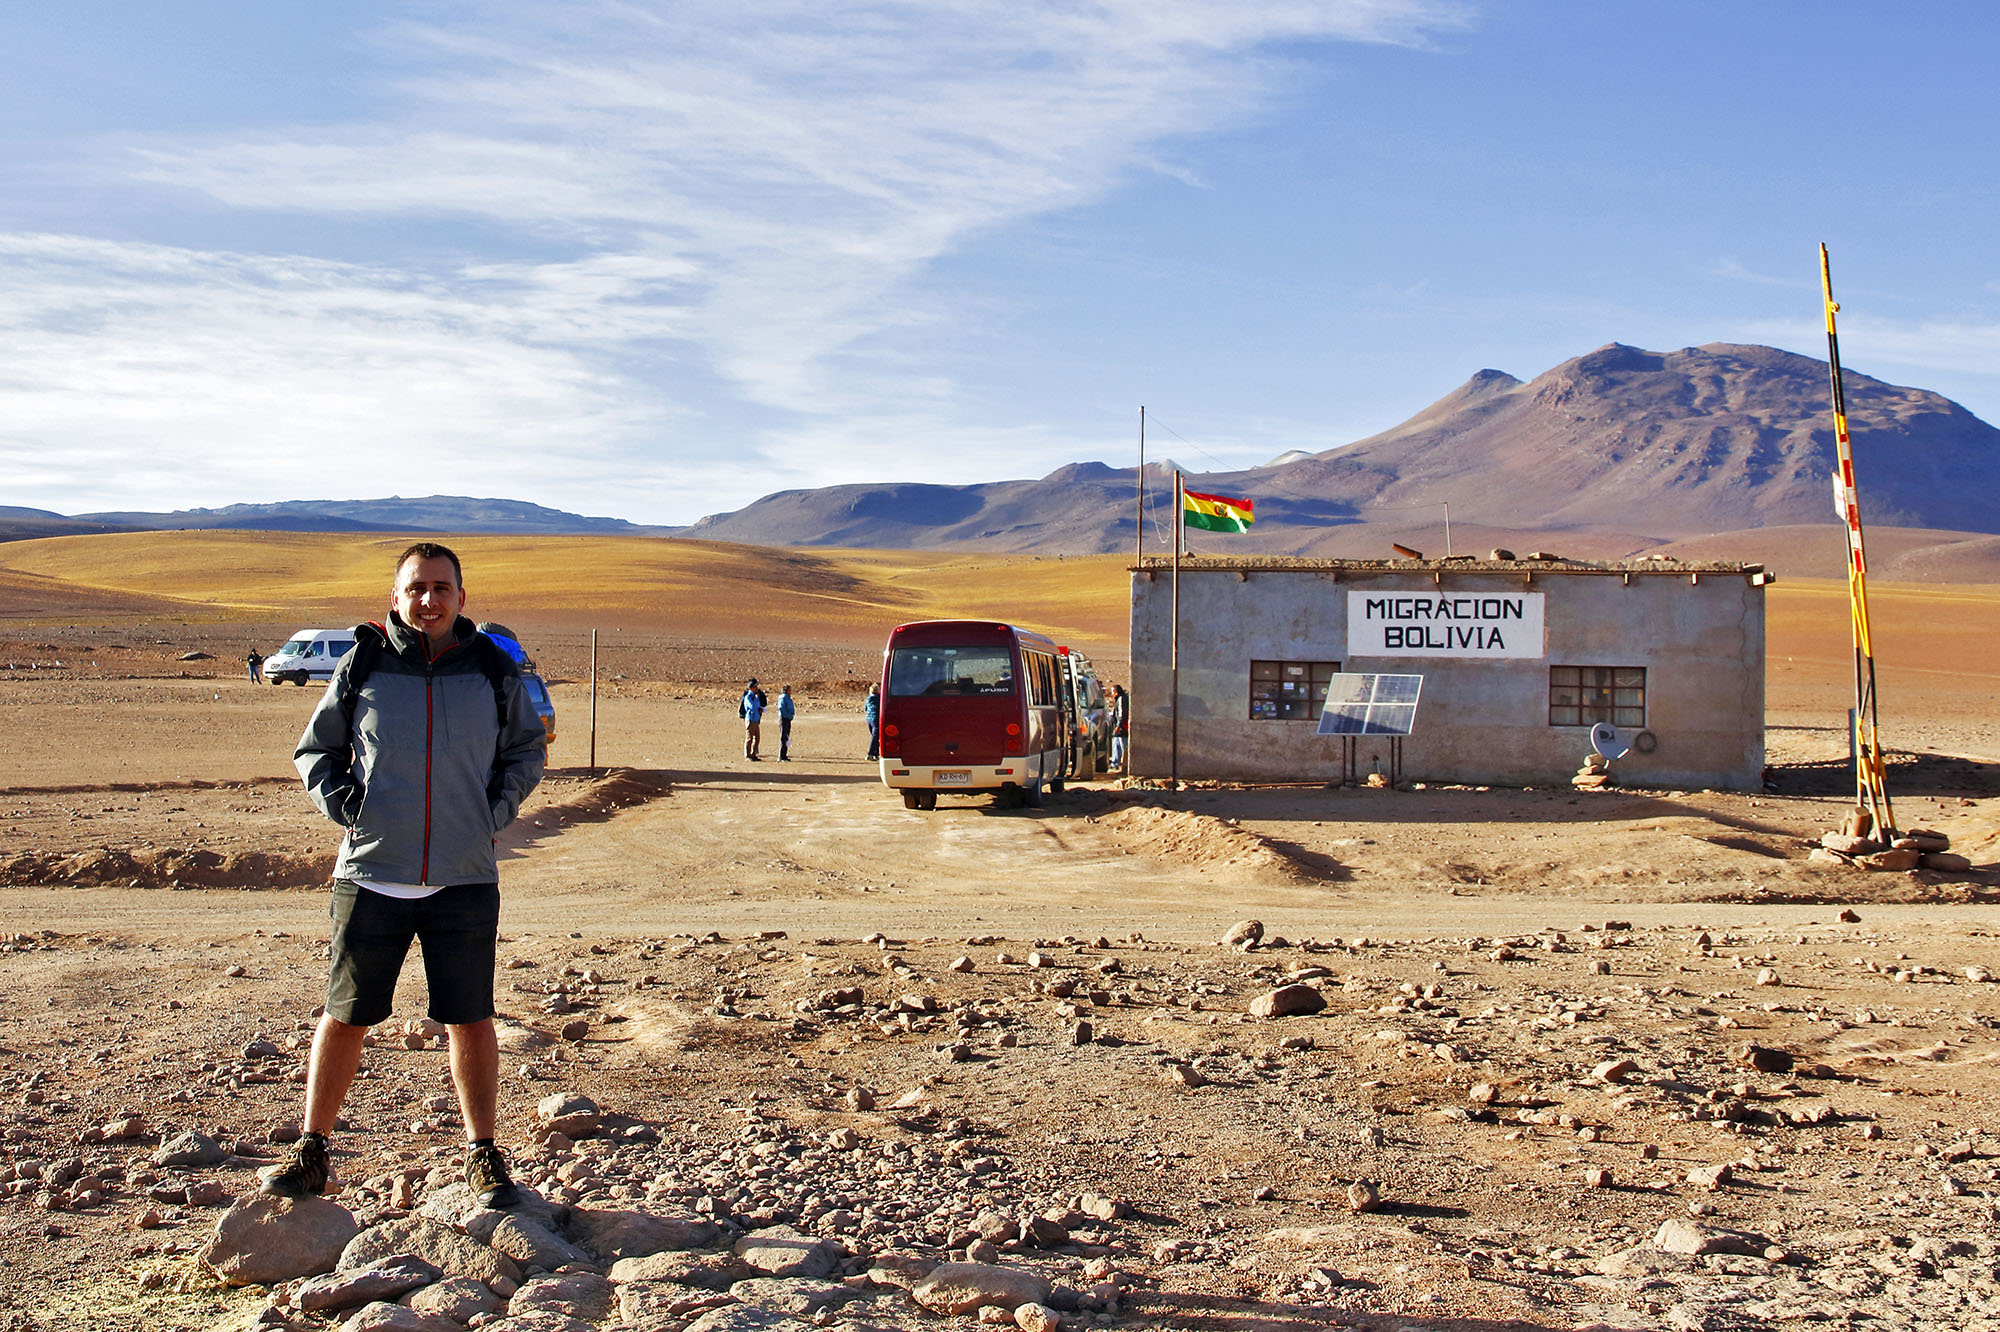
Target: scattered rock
[[1244, 934], [1287, 1001], [1765, 1060], [190, 1151]]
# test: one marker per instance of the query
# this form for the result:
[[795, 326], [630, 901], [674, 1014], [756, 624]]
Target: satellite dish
[[1604, 738]]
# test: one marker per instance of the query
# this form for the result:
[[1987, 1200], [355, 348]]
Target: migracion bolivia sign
[[1445, 624]]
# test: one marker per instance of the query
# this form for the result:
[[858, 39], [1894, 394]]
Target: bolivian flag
[[1217, 513]]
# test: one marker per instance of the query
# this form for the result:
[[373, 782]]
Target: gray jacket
[[427, 773]]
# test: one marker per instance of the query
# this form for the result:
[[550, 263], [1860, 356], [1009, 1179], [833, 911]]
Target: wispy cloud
[[1933, 347], [715, 219]]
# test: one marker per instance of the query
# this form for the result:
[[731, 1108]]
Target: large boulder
[[264, 1241], [456, 1205], [616, 1233], [782, 1251], [454, 1253], [581, 1295], [749, 1318], [962, 1288], [383, 1282], [525, 1240], [396, 1318]]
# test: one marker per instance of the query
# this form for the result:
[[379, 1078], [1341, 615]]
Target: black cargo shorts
[[458, 928]]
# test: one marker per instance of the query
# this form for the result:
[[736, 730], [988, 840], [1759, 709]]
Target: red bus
[[972, 705]]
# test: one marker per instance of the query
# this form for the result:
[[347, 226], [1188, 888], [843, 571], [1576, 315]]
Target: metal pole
[[1447, 528], [593, 702], [1139, 530], [1174, 651]]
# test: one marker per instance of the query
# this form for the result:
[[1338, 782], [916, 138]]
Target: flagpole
[[1174, 653], [1139, 529]]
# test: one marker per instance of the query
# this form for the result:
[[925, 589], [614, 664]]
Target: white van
[[310, 655]]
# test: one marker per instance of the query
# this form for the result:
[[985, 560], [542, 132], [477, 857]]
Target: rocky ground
[[781, 1053]]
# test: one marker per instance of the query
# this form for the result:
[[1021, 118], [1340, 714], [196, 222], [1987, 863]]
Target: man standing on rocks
[[423, 748]]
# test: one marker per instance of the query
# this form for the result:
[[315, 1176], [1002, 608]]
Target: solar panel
[[1362, 704]]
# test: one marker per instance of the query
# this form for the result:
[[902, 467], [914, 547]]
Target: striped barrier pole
[[1871, 783]]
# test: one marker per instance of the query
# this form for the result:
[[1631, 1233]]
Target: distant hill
[[1606, 453], [432, 513], [19, 524]]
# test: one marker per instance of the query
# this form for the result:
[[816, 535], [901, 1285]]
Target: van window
[[342, 649], [317, 649], [935, 671], [295, 648]]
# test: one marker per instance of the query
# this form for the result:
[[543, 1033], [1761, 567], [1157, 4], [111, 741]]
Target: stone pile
[[1854, 843], [1594, 775]]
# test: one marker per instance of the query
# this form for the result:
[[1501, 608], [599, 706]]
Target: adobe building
[[1519, 658]]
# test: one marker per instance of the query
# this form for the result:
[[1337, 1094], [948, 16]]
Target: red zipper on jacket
[[430, 679]]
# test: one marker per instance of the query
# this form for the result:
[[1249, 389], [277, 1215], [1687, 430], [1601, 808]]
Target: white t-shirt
[[407, 891]]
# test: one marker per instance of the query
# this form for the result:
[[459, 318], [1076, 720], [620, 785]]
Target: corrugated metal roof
[[1460, 564]]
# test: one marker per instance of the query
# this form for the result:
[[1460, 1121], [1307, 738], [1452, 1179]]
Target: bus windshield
[[917, 672]]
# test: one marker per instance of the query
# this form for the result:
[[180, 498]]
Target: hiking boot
[[486, 1175], [303, 1171]]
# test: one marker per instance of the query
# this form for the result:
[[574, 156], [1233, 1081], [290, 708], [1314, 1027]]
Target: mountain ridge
[[1617, 450]]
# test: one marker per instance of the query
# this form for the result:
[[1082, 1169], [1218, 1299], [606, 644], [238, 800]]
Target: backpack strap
[[496, 665], [372, 638], [369, 640]]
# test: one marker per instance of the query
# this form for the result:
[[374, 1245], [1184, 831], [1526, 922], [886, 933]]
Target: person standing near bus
[[751, 709], [786, 711], [872, 710], [1120, 726]]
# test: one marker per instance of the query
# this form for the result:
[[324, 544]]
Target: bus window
[[939, 671]]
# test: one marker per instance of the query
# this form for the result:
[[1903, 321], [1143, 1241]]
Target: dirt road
[[1479, 954]]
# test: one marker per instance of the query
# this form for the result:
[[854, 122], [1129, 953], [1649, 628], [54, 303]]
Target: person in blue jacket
[[872, 710], [786, 711], [422, 753], [751, 709]]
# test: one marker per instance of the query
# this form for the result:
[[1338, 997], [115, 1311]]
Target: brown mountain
[[1611, 452]]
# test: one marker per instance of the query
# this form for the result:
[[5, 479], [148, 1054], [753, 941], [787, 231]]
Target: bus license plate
[[952, 777]]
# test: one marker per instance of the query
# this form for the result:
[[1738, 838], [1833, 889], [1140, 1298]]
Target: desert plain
[[1626, 1058]]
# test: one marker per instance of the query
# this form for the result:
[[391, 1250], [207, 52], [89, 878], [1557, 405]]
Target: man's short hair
[[431, 550]]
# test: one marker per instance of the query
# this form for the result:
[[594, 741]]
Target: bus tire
[[913, 800], [927, 800], [1056, 785]]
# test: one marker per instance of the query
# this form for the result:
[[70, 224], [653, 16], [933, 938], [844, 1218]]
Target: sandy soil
[[153, 840]]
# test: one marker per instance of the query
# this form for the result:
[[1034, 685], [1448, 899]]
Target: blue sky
[[653, 260]]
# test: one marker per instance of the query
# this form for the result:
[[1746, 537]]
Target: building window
[[1289, 690], [1586, 695]]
